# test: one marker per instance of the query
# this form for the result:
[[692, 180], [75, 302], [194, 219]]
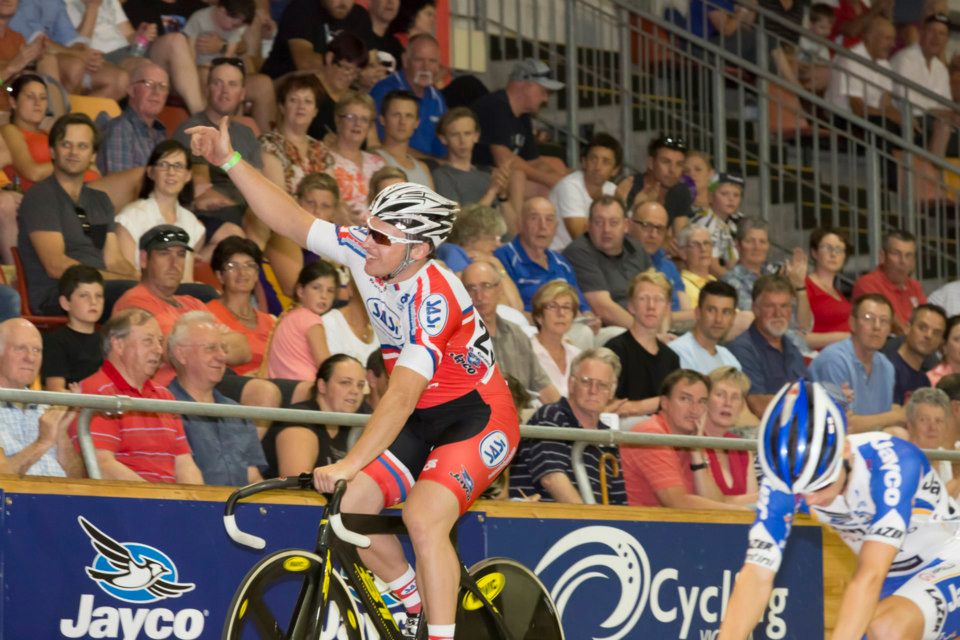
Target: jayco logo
[[433, 314], [384, 317], [494, 448], [138, 574]]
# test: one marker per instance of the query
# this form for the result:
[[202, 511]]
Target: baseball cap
[[164, 235], [535, 71], [727, 178]]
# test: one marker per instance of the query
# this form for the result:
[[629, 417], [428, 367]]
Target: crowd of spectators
[[650, 301]]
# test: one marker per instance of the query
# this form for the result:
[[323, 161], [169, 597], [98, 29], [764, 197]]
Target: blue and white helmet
[[418, 211], [800, 440]]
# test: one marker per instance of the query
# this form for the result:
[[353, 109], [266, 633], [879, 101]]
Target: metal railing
[[636, 76]]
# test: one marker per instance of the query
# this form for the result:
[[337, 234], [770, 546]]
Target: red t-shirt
[[148, 443], [829, 313], [647, 470], [904, 299]]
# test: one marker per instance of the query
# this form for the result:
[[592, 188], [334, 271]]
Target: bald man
[[649, 225], [129, 139], [857, 88], [33, 437], [512, 347]]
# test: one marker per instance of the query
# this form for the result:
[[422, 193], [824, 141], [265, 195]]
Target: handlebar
[[302, 481]]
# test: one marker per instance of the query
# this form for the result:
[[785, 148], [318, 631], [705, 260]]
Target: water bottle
[[140, 42]]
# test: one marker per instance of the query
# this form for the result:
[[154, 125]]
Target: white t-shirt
[[560, 379], [106, 31], [911, 64], [140, 216], [571, 199], [852, 79], [342, 339], [948, 297], [202, 22]]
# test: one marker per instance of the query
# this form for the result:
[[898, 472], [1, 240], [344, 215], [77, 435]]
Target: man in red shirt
[[892, 278], [664, 476], [134, 445]]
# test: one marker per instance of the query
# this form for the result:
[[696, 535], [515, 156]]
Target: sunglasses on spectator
[[385, 240], [232, 61], [82, 217], [674, 142]]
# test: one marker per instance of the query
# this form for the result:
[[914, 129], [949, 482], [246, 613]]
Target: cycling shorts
[[935, 589], [463, 444]]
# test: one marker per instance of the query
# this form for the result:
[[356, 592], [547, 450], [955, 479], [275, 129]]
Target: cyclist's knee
[[362, 496], [895, 623]]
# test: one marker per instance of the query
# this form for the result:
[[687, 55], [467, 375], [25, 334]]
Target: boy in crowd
[[73, 352], [726, 193]]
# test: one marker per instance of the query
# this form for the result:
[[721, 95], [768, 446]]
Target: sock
[[405, 588], [440, 631]]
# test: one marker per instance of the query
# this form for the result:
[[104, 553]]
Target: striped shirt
[[537, 458], [18, 429], [147, 443]]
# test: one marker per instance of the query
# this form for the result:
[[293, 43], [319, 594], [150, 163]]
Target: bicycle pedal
[[411, 625]]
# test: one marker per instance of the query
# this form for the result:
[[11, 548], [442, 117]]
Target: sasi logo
[[130, 571]]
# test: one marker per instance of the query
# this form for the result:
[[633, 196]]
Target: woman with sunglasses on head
[[830, 308], [446, 425], [164, 191]]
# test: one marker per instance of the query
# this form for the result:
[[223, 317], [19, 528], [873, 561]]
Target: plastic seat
[[41, 322], [93, 106]]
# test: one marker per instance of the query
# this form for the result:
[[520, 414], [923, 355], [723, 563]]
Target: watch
[[698, 466]]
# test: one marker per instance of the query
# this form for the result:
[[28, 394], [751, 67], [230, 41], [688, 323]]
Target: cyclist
[[883, 499], [446, 425]]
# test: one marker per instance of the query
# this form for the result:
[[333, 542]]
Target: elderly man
[[217, 202], [858, 364], [663, 476], [512, 347], [931, 417], [892, 278], [857, 88], [129, 139], [136, 445], [649, 226], [913, 357], [699, 349], [572, 196], [226, 450], [544, 466], [767, 357], [605, 261], [506, 128], [421, 70], [63, 222], [33, 438]]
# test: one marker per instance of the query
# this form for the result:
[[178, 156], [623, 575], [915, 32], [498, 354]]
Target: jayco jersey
[[893, 496], [426, 323]]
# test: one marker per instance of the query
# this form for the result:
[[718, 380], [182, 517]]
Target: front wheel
[[281, 598], [525, 607]]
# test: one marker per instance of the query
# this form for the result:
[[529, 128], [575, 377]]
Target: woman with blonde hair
[[555, 307], [352, 166], [730, 473]]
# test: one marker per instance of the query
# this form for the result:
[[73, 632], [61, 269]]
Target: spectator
[[136, 445], [513, 349], [217, 202], [600, 162], [228, 21], [382, 14], [661, 182], [545, 467], [813, 58], [664, 476], [922, 341], [400, 117], [353, 167], [950, 384], [289, 153], [649, 226], [459, 179], [420, 72], [346, 56], [528, 258], [950, 349], [605, 261], [63, 222], [891, 278], [732, 473], [348, 328], [129, 138], [226, 450], [696, 249], [858, 364], [554, 312], [721, 220], [164, 189], [699, 349], [947, 297], [646, 361], [299, 341], [377, 378], [506, 127], [295, 447], [929, 424], [73, 350], [16, 56], [698, 167], [853, 18], [830, 308], [33, 438], [767, 358], [726, 24]]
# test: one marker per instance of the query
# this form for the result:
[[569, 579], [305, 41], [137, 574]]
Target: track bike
[[296, 594]]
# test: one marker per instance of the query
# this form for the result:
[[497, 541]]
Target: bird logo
[[130, 571]]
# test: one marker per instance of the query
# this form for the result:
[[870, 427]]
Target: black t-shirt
[[170, 17], [388, 43], [330, 448], [498, 125], [309, 20], [70, 354], [643, 372], [326, 120]]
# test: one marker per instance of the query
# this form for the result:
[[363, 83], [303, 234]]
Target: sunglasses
[[385, 241], [235, 62], [167, 236], [674, 142], [82, 217]]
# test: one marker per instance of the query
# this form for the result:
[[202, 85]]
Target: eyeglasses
[[833, 250], [649, 226], [556, 306], [163, 165], [82, 217], [353, 118], [648, 299], [702, 245], [593, 383], [153, 85], [234, 62], [241, 266], [385, 241], [473, 289], [872, 318]]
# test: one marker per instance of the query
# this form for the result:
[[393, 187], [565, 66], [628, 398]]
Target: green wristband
[[232, 162]]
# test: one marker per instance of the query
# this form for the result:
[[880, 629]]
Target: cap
[[164, 235], [727, 178], [942, 18], [535, 71]]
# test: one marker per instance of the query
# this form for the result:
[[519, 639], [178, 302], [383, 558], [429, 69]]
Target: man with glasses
[[129, 138], [649, 225], [544, 467], [892, 278], [63, 222], [661, 182], [858, 365]]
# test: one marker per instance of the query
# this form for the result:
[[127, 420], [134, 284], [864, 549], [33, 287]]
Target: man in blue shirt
[[856, 363], [421, 67], [768, 359]]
